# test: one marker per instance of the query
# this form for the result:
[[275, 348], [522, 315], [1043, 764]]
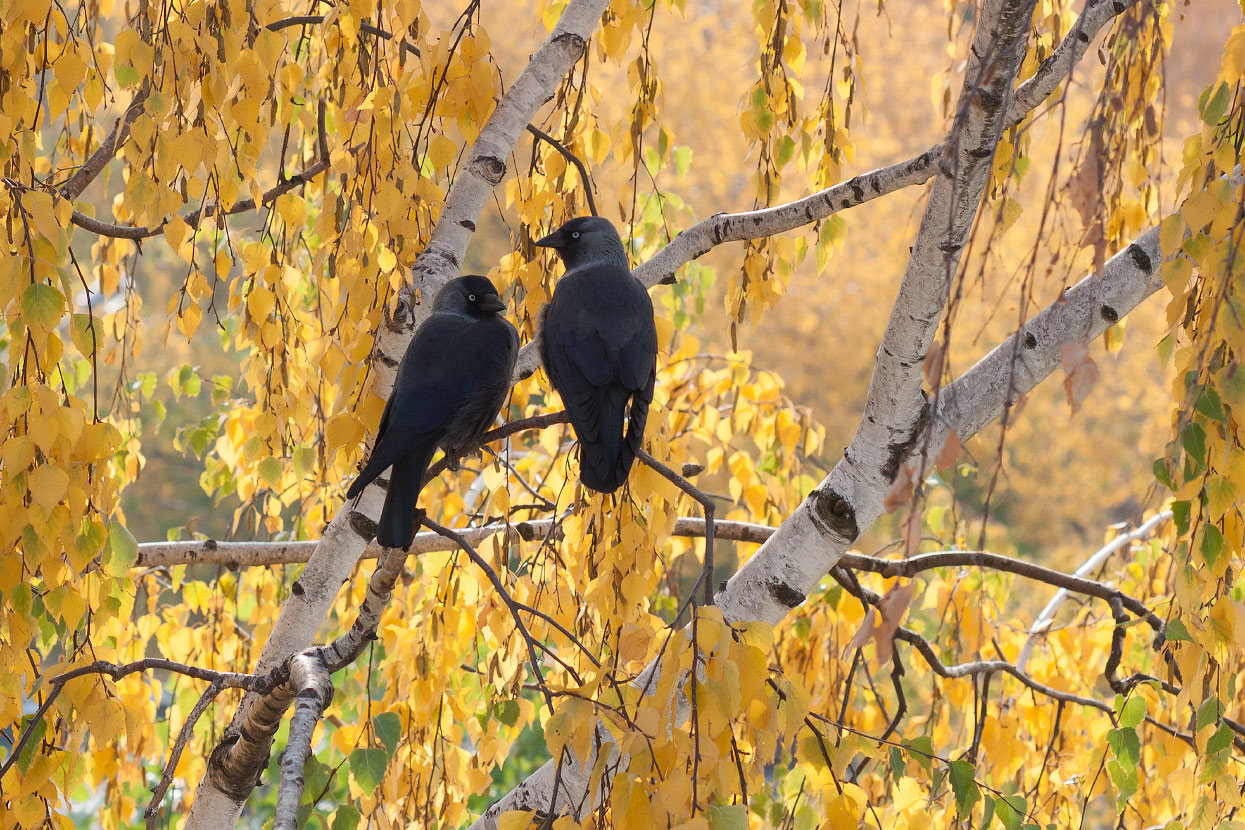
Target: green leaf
[[1212, 544], [1214, 106], [1177, 631], [921, 750], [1011, 811], [31, 749], [507, 711], [127, 76], [346, 818], [1210, 405], [1180, 515], [1220, 741], [1208, 712], [316, 775], [270, 471], [786, 149], [122, 550], [1126, 746], [367, 768], [966, 791], [682, 160], [388, 729], [728, 817], [1133, 712], [42, 305], [1194, 441]]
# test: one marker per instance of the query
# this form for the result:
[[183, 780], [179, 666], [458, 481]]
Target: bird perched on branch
[[599, 347], [452, 381]]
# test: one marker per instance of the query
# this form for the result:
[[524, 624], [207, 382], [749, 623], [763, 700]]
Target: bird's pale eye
[[574, 234], [471, 298]]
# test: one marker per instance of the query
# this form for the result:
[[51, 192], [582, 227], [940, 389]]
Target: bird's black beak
[[554, 240], [491, 302]]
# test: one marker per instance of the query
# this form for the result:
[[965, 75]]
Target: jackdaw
[[452, 381], [599, 347]]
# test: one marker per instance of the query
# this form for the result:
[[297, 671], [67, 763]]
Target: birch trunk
[[218, 800]]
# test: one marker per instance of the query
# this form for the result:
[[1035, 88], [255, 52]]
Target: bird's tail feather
[[605, 463], [396, 527], [635, 429]]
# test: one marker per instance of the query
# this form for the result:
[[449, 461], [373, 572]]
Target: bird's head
[[471, 295], [584, 240]]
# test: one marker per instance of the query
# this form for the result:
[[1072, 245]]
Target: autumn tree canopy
[[945, 593]]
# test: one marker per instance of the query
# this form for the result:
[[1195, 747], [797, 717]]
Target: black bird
[[599, 347], [452, 381]]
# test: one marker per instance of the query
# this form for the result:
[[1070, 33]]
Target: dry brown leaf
[[882, 622], [950, 451], [900, 492], [1080, 373], [1085, 187]]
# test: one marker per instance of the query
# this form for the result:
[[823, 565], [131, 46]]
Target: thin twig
[[573, 159], [706, 503], [152, 812], [519, 625]]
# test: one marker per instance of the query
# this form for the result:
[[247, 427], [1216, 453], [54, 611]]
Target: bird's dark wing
[[600, 350], [426, 393]]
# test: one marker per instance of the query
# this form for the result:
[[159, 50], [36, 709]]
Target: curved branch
[[584, 177], [194, 218], [1090, 565], [694, 242], [226, 680]]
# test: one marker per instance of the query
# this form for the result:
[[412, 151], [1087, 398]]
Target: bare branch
[[260, 554], [1047, 616], [310, 676], [194, 218], [584, 177], [706, 504], [107, 150], [152, 813], [229, 680], [531, 642]]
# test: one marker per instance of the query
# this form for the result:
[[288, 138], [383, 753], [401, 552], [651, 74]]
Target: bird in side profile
[[599, 347], [452, 381]]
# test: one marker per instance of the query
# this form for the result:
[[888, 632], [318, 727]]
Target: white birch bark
[[218, 802], [801, 553], [694, 242], [790, 564]]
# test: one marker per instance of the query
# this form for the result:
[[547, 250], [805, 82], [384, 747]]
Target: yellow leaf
[[260, 303], [343, 430], [441, 152], [188, 322], [515, 820]]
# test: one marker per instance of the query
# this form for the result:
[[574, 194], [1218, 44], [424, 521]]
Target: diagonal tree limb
[[107, 150], [218, 801], [791, 563], [720, 228]]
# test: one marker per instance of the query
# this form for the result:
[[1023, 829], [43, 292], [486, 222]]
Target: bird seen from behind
[[451, 383], [599, 348]]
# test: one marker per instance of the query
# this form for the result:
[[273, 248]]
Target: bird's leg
[[706, 573]]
